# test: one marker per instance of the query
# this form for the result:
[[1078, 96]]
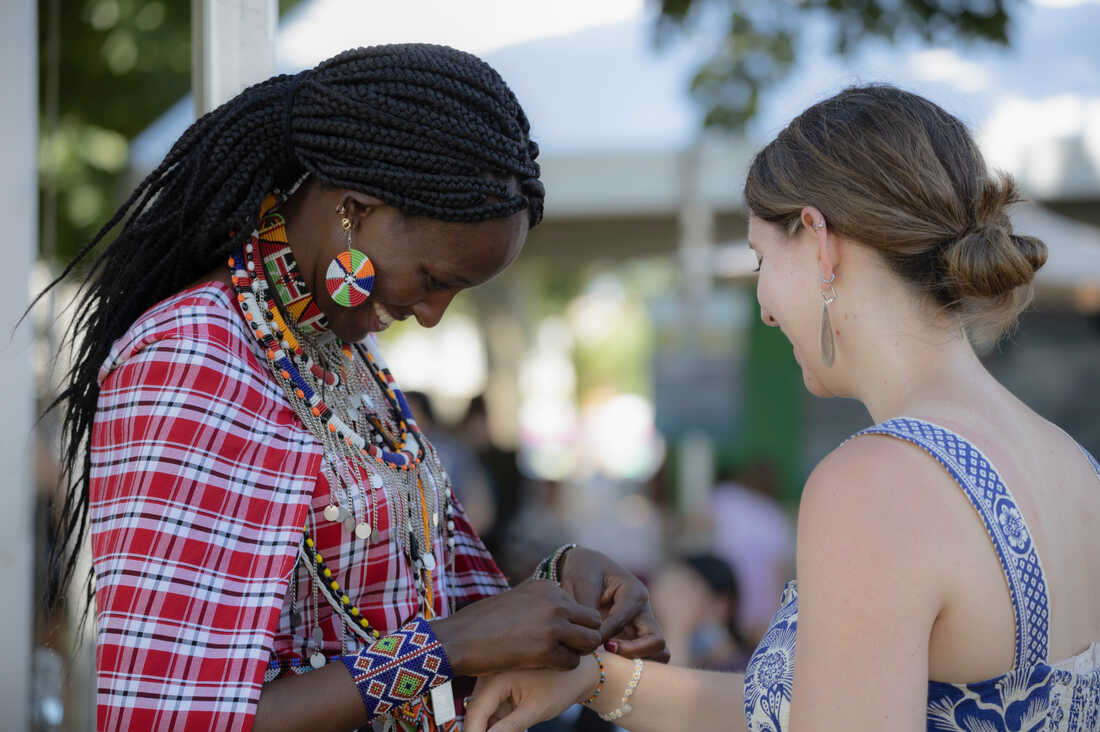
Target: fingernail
[[611, 646]]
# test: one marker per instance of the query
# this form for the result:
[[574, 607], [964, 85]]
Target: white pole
[[232, 47], [696, 474], [19, 212]]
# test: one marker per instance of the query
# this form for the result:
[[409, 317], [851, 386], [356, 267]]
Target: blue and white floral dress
[[1034, 696]]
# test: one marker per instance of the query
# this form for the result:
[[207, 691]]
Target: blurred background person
[[696, 599], [468, 477], [756, 535]]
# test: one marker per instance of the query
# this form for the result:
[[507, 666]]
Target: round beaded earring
[[350, 275]]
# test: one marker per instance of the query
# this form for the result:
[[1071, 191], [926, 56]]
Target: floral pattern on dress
[[1012, 524], [769, 675], [1033, 697], [1038, 698]]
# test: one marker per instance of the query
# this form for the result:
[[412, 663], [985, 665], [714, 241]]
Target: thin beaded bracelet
[[624, 705], [548, 568], [599, 684]]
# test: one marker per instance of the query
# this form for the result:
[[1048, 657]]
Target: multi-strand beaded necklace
[[346, 397]]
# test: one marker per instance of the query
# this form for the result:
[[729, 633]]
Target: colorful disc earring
[[350, 275]]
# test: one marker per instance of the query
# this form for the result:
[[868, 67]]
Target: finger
[[563, 658], [622, 612], [579, 638], [583, 615], [519, 720], [586, 591], [489, 694], [502, 711], [645, 647]]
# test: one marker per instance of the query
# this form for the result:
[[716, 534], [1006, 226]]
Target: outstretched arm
[[666, 698]]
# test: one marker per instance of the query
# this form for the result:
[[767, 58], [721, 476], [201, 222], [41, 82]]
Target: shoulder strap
[[1003, 521]]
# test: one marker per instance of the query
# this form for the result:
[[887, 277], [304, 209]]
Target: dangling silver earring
[[828, 343]]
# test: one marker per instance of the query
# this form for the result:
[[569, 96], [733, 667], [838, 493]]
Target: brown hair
[[895, 172]]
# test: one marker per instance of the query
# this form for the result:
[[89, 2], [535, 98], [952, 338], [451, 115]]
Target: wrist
[[448, 631], [552, 566], [591, 669]]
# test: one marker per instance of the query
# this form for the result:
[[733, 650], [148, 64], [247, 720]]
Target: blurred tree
[[762, 38], [107, 69]]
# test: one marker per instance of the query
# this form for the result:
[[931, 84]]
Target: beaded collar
[[285, 351], [282, 272], [405, 454]]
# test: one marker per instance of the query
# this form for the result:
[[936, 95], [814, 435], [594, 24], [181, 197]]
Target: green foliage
[[762, 39], [120, 64]]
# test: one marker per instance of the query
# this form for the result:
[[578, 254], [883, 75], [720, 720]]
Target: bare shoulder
[[871, 479], [873, 509]]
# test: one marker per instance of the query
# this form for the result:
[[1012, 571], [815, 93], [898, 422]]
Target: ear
[[358, 206], [828, 249]]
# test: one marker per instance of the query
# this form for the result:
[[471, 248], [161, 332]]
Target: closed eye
[[431, 284]]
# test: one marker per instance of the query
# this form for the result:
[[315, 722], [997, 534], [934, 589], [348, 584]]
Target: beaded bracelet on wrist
[[624, 704], [548, 568], [600, 683], [399, 668]]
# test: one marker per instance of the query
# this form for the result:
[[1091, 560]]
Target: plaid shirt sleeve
[[476, 575], [200, 480]]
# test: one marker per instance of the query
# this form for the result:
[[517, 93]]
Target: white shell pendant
[[349, 524], [362, 530], [317, 660], [428, 559], [332, 512], [375, 481]]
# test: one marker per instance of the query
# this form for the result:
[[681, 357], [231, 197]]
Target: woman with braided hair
[[259, 498]]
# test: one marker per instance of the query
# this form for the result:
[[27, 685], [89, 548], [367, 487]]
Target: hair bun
[[988, 260]]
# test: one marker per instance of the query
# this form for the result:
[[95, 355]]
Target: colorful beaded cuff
[[399, 668]]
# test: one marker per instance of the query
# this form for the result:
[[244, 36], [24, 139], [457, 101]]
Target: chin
[[348, 330], [814, 386]]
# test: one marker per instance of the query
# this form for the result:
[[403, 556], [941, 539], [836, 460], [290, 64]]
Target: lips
[[383, 317]]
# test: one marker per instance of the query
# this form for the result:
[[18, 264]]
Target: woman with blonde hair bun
[[948, 572]]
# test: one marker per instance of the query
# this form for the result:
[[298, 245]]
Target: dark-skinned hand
[[628, 627], [534, 625]]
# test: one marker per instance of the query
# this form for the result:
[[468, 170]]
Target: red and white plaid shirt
[[201, 481]]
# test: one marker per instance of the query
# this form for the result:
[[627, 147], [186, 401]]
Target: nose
[[430, 311]]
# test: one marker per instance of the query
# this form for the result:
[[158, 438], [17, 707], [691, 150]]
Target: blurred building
[[629, 178]]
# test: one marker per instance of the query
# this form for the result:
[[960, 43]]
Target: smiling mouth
[[384, 317]]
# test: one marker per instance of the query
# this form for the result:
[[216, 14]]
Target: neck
[[910, 364], [913, 379]]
